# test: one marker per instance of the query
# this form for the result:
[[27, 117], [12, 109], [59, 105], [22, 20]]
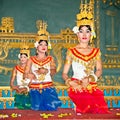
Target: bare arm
[[98, 67], [52, 67], [66, 68], [12, 80], [27, 73], [27, 68], [98, 72], [13, 76], [76, 86]]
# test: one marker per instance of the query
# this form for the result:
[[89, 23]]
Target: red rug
[[60, 114]]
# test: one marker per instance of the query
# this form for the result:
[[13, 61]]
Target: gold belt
[[41, 85]]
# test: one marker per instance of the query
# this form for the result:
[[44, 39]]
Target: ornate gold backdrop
[[66, 39]]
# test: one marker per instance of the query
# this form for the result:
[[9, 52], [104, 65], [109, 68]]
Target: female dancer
[[87, 67], [22, 100], [42, 67]]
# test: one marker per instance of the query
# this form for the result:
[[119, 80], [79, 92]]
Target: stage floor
[[60, 114]]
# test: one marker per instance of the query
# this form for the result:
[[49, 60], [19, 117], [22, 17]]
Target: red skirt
[[90, 100]]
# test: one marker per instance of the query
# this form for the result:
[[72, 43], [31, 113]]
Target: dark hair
[[88, 26], [43, 40], [24, 54]]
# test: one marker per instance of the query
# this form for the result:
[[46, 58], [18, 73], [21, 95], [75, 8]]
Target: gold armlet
[[67, 81], [14, 74], [68, 62]]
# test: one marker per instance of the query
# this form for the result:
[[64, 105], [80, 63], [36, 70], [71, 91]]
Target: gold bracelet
[[93, 78], [67, 81]]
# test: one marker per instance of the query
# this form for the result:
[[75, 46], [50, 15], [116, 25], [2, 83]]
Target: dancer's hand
[[31, 76], [22, 90], [85, 82], [41, 71], [76, 86], [16, 88]]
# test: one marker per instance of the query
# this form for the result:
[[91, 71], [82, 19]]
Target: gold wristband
[[93, 78], [67, 81]]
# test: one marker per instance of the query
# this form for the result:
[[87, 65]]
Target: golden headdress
[[42, 33], [24, 49], [86, 15]]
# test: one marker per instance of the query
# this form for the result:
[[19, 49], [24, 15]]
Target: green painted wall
[[110, 36], [58, 13]]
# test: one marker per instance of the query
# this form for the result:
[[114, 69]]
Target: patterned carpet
[[60, 114]]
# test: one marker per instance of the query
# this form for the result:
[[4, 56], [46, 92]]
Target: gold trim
[[66, 99], [6, 98], [98, 23], [111, 61]]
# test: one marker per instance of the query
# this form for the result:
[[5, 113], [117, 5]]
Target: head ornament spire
[[42, 33], [86, 16]]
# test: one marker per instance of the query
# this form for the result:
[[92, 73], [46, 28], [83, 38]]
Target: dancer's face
[[43, 47], [84, 34], [23, 58]]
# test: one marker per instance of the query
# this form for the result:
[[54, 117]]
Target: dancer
[[87, 68], [22, 100], [42, 67]]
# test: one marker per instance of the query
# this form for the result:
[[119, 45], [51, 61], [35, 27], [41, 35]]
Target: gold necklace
[[83, 47], [41, 59]]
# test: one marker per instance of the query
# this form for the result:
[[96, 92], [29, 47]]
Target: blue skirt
[[45, 99]]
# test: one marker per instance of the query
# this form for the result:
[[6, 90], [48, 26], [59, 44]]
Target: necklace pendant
[[40, 63]]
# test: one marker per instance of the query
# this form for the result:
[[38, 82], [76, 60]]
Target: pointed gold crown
[[42, 33], [25, 49], [86, 15]]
